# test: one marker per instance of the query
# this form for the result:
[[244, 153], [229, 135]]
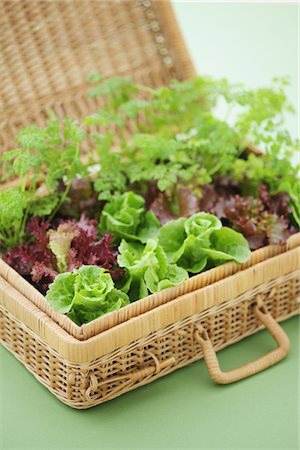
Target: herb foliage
[[152, 201]]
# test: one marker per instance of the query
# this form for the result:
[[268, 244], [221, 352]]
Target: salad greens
[[226, 244], [125, 217], [85, 294], [45, 163], [60, 243], [148, 269], [183, 144], [193, 243], [167, 189], [12, 216]]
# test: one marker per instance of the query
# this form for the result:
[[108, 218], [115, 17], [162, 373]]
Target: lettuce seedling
[[85, 294], [194, 242], [148, 269], [125, 217]]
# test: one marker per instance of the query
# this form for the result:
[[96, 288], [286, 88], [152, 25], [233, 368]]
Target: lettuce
[[201, 225], [184, 239], [148, 269], [125, 217], [85, 294], [194, 242], [60, 243], [61, 293], [227, 244]]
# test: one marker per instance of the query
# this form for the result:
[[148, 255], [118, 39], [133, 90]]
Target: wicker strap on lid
[[48, 48]]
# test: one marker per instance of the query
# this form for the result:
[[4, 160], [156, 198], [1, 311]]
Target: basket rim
[[234, 288]]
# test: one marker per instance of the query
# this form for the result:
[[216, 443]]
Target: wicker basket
[[48, 50]]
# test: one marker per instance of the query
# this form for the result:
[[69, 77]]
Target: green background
[[183, 410], [244, 42]]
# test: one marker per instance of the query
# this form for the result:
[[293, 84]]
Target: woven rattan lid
[[48, 48]]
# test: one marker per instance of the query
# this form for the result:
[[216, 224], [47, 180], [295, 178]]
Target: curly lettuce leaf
[[122, 214], [43, 275], [148, 227], [136, 258], [125, 217], [91, 287], [85, 294], [116, 299], [60, 243], [148, 269], [262, 220]]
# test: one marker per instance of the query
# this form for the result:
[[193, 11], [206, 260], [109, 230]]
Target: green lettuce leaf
[[183, 240], [171, 237], [193, 258], [227, 244], [148, 227], [192, 243], [166, 275], [148, 269], [201, 225], [60, 294], [85, 294], [125, 217]]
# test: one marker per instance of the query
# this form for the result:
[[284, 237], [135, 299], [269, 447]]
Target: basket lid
[[49, 48]]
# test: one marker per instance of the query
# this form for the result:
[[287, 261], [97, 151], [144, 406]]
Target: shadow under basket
[[49, 49], [84, 366]]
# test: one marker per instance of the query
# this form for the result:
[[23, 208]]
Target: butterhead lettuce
[[85, 294], [148, 269], [125, 217], [200, 240], [228, 244]]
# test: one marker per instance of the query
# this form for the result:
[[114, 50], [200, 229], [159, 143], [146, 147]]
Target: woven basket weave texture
[[48, 49]]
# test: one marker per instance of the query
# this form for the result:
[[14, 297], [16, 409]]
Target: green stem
[[213, 170], [8, 239], [23, 183], [68, 187], [23, 224], [62, 200]]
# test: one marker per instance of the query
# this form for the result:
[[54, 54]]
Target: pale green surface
[[183, 410], [248, 43], [244, 42]]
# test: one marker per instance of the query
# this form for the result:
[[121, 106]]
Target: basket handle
[[252, 367]]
